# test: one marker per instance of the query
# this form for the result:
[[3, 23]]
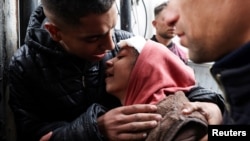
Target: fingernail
[[159, 117], [154, 107], [185, 110], [154, 123]]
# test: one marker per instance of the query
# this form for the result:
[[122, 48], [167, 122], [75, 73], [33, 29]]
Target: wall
[[204, 77], [8, 44]]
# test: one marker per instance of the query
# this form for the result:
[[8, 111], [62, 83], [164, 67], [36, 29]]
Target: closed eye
[[119, 57], [122, 53]]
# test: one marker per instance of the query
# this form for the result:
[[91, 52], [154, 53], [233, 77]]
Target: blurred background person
[[165, 32]]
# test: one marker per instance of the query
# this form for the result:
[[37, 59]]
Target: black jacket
[[232, 74], [51, 90]]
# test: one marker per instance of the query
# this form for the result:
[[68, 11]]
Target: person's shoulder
[[23, 55], [120, 31], [20, 57], [153, 38], [122, 34], [21, 51], [37, 18]]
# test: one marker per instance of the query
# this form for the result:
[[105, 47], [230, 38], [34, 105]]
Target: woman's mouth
[[108, 74]]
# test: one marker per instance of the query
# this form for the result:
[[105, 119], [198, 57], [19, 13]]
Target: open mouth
[[108, 74]]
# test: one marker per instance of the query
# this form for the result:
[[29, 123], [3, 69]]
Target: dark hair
[[136, 54], [159, 8], [70, 11]]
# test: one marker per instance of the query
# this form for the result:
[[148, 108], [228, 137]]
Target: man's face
[[118, 72], [164, 29], [208, 28], [92, 38]]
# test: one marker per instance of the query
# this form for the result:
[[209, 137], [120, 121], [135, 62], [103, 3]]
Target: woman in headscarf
[[146, 72]]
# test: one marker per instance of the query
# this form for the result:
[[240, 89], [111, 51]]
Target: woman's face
[[118, 72]]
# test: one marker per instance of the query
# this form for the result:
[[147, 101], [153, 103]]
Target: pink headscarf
[[157, 73]]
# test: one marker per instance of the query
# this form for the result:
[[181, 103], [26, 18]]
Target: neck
[[163, 41], [121, 96]]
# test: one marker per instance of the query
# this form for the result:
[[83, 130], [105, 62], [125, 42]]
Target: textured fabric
[[177, 127], [137, 42], [234, 79], [157, 73], [88, 131]]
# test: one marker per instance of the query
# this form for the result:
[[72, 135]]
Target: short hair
[[70, 11], [159, 8]]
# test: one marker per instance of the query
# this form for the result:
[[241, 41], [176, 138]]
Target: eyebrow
[[121, 49], [97, 35]]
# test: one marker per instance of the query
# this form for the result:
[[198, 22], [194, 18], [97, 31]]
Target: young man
[[223, 38], [57, 78], [165, 32]]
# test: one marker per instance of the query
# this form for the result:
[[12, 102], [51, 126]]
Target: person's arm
[[125, 123], [83, 128], [208, 102], [129, 123], [202, 94]]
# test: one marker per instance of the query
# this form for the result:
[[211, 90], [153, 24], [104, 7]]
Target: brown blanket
[[175, 126]]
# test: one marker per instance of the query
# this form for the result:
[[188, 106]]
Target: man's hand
[[46, 137], [210, 111], [128, 123]]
